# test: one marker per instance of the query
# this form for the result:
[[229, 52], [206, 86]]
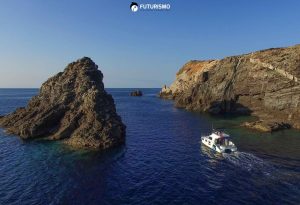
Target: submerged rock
[[136, 93], [266, 126], [264, 83], [71, 106]]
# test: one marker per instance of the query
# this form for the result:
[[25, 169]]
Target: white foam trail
[[249, 162]]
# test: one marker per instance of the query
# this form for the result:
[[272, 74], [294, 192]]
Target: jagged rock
[[264, 83], [165, 92], [136, 93], [71, 106]]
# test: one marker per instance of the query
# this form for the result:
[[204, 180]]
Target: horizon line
[[104, 88]]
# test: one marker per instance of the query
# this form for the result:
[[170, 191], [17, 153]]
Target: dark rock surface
[[71, 106], [268, 126], [136, 93], [264, 83]]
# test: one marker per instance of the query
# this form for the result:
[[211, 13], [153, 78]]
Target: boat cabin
[[219, 141], [220, 138]]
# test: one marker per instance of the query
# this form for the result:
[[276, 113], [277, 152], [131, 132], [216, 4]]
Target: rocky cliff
[[264, 83], [71, 106]]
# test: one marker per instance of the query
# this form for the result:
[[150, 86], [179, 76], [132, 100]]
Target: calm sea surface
[[162, 161]]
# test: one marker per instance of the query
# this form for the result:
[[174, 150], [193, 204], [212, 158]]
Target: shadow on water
[[52, 172]]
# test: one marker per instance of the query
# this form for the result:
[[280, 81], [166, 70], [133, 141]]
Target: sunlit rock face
[[264, 83]]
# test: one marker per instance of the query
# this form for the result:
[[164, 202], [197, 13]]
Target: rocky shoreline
[[73, 107], [264, 84]]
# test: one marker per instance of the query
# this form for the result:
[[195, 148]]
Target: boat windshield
[[223, 141]]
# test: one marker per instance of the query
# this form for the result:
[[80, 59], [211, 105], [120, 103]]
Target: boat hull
[[217, 148]]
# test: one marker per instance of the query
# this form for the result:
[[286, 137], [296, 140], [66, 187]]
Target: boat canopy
[[219, 134]]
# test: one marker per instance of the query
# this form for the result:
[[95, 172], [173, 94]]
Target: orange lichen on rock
[[194, 66]]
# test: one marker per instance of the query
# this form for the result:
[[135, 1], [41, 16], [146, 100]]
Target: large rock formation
[[264, 83], [71, 106]]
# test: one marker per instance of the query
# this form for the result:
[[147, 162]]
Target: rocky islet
[[136, 93], [71, 106]]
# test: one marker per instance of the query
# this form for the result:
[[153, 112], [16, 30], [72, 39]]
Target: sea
[[162, 161]]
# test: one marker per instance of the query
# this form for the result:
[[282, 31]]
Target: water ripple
[[162, 162]]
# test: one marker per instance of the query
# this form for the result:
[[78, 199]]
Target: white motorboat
[[219, 141]]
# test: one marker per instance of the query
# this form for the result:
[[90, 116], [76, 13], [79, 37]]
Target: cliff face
[[264, 83], [71, 106]]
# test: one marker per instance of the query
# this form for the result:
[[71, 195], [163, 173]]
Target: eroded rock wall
[[263, 83]]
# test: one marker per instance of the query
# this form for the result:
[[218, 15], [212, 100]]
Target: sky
[[135, 50]]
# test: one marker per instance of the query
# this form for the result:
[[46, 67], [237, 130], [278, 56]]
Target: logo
[[134, 7], [149, 7]]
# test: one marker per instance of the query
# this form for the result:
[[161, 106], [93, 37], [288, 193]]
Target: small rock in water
[[136, 93]]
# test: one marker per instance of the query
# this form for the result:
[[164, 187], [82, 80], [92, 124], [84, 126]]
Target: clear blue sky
[[38, 38]]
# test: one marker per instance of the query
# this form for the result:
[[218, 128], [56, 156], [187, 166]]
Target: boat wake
[[249, 162]]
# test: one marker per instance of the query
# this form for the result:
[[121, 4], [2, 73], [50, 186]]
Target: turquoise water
[[162, 161]]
